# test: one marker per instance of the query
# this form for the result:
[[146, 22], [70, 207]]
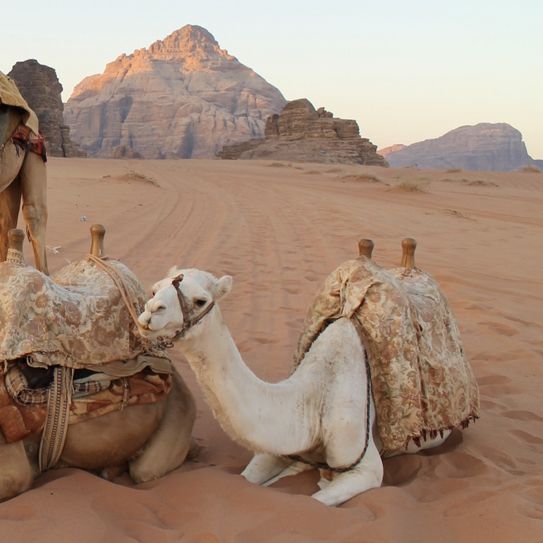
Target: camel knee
[[367, 474], [168, 448], [14, 481], [16, 473], [263, 467], [143, 473], [35, 216]]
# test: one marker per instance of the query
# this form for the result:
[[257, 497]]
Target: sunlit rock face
[[484, 146], [182, 97]]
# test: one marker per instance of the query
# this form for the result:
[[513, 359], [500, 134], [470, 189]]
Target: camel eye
[[200, 302]]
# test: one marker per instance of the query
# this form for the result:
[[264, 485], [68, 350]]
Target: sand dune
[[279, 229]]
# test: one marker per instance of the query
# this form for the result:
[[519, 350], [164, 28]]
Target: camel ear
[[223, 286], [174, 271]]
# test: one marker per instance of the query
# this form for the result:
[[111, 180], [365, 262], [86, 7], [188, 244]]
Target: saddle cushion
[[75, 319], [422, 383]]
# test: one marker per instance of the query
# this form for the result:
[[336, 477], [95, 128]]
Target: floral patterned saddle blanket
[[70, 349], [77, 318], [422, 382]]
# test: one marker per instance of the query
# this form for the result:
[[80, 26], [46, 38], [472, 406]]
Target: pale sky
[[405, 70]]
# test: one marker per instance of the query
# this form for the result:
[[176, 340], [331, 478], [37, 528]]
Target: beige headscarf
[[10, 96]]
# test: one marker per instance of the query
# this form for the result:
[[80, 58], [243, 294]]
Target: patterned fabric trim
[[19, 389], [25, 139], [18, 419]]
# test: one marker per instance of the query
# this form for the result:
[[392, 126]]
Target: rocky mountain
[[181, 97], [484, 146], [41, 88], [302, 133]]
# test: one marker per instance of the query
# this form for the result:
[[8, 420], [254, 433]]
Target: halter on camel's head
[[189, 320], [196, 295]]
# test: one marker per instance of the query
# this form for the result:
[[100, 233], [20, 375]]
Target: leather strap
[[59, 399], [188, 320]]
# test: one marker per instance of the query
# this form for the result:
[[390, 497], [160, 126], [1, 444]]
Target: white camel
[[318, 417]]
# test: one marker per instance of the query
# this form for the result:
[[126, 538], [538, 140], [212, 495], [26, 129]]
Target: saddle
[[421, 380], [76, 319], [70, 348]]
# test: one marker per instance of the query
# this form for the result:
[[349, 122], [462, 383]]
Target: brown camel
[[152, 436], [22, 176]]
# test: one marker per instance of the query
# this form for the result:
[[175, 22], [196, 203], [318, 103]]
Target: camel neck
[[270, 417]]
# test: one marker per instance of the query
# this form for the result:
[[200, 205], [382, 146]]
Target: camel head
[[181, 301]]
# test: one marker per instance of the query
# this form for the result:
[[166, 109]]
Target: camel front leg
[[34, 190], [293, 469], [368, 473], [16, 473], [170, 444], [263, 467], [10, 201]]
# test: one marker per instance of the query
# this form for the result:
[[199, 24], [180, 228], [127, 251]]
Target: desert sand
[[279, 229]]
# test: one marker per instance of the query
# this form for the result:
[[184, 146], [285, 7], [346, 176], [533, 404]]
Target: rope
[[119, 283]]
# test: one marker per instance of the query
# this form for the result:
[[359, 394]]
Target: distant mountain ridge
[[181, 97], [484, 146]]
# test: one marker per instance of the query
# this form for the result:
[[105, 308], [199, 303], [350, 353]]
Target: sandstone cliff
[[304, 134], [181, 97], [484, 146], [41, 88]]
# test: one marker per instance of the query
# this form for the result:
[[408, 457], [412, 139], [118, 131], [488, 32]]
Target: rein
[[188, 320]]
